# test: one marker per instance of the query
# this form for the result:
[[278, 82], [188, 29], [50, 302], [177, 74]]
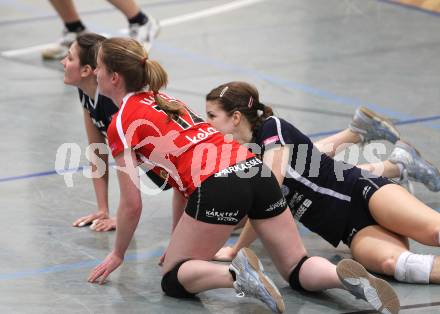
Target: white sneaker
[[145, 34], [252, 282], [415, 167], [59, 50], [363, 285]]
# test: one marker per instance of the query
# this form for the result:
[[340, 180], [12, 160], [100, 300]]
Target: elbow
[[132, 209]]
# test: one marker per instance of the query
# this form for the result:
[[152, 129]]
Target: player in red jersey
[[224, 183]]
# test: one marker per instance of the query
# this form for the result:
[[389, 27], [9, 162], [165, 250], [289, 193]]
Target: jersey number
[[195, 119]]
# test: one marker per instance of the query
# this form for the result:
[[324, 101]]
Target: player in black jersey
[[369, 213], [79, 66]]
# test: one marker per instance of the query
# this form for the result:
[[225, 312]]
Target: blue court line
[[78, 265], [348, 101], [412, 7], [91, 263], [42, 174], [312, 135]]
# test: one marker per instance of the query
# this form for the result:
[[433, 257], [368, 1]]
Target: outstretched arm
[[128, 215], [99, 158]]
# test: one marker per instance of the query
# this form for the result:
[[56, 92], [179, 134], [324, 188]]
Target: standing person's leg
[[142, 27], [128, 7], [73, 27], [66, 10]]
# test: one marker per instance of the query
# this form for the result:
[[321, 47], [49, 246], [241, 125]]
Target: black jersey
[[101, 110], [318, 189]]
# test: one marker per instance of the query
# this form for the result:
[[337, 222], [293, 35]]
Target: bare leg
[[66, 10], [335, 143], [397, 210], [198, 276], [378, 249], [203, 240], [384, 168], [128, 7], [281, 238]]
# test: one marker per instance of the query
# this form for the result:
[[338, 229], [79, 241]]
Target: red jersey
[[189, 149]]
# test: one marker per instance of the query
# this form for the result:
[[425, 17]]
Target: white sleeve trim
[[280, 134], [119, 121]]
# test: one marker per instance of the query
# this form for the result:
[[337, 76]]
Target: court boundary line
[[172, 21], [81, 168]]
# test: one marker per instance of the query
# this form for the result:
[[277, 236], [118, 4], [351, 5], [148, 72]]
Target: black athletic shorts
[[158, 180], [247, 188], [359, 213]]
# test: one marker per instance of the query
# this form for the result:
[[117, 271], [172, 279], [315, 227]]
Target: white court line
[[166, 22]]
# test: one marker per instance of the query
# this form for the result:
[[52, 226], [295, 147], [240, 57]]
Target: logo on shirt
[[202, 135], [239, 167], [365, 191], [270, 140], [163, 174]]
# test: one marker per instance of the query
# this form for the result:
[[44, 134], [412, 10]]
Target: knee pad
[[413, 268], [171, 285], [294, 276]]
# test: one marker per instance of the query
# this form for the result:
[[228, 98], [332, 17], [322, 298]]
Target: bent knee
[[434, 232], [171, 285], [429, 235], [388, 265]]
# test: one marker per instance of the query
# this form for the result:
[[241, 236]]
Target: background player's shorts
[[359, 213]]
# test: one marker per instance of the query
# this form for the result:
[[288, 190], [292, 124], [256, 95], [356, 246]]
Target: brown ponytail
[[128, 57]]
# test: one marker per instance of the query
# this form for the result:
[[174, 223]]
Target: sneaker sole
[[270, 287], [374, 116], [387, 301]]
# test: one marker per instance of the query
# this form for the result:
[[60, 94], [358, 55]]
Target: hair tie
[[224, 91], [251, 101], [144, 60]]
